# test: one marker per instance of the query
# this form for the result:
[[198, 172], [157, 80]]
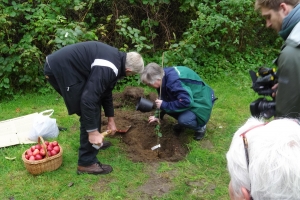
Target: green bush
[[211, 37], [223, 39], [30, 31]]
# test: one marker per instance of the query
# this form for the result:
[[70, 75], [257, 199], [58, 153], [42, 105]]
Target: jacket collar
[[294, 37], [289, 22]]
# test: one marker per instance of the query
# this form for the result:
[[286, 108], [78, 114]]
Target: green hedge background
[[214, 38]]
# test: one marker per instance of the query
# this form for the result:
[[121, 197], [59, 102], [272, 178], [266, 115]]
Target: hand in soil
[[152, 119]]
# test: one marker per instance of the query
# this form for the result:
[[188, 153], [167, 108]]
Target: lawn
[[202, 174]]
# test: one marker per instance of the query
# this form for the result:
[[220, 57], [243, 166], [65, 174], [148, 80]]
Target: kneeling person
[[183, 95]]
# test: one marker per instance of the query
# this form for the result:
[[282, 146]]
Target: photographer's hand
[[275, 89]]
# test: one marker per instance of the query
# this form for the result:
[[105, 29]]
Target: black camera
[[262, 83]]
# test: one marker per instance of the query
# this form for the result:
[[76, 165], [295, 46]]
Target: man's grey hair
[[152, 73], [273, 4], [135, 62], [274, 154]]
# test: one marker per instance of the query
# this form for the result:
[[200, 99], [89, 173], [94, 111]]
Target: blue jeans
[[187, 119]]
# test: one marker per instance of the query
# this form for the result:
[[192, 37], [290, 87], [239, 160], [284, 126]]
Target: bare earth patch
[[141, 137]]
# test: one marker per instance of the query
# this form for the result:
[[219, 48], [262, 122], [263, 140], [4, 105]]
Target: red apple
[[38, 146], [49, 153], [46, 143], [32, 148], [38, 157], [26, 156], [53, 152], [36, 151], [31, 158], [54, 143], [57, 149], [42, 152], [29, 152], [49, 147]]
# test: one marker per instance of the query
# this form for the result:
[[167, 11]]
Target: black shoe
[[105, 145], [200, 133], [177, 129], [96, 168]]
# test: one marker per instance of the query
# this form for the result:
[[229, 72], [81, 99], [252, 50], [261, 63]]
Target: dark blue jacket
[[182, 89]]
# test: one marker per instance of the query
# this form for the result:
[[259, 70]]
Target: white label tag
[[155, 147]]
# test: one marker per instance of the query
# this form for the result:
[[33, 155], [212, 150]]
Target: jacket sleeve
[[288, 93], [180, 99], [98, 89], [107, 102]]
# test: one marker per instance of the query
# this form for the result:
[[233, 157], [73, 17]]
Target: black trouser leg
[[87, 153]]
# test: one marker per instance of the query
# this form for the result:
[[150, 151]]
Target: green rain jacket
[[182, 89], [288, 62]]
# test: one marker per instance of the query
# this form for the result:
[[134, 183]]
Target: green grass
[[201, 175]]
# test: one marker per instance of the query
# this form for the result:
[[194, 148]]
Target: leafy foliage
[[211, 37], [29, 32], [222, 39]]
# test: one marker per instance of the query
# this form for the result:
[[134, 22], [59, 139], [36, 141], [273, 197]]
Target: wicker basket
[[51, 163]]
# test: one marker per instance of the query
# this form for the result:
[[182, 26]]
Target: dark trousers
[[187, 119], [87, 153]]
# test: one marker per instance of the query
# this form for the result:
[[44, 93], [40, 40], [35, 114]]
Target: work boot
[[199, 134], [177, 129], [105, 145], [96, 168]]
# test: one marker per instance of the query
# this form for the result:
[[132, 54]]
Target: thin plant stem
[[158, 137]]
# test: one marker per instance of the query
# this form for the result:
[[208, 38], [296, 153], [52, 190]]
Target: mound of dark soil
[[141, 137]]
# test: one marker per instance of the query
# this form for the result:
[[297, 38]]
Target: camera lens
[[266, 105], [266, 108]]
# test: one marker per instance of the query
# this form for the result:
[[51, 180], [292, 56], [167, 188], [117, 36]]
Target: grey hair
[[152, 73], [274, 154], [135, 62]]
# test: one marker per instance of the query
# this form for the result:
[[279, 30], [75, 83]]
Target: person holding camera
[[183, 95], [85, 74], [284, 17], [263, 160]]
